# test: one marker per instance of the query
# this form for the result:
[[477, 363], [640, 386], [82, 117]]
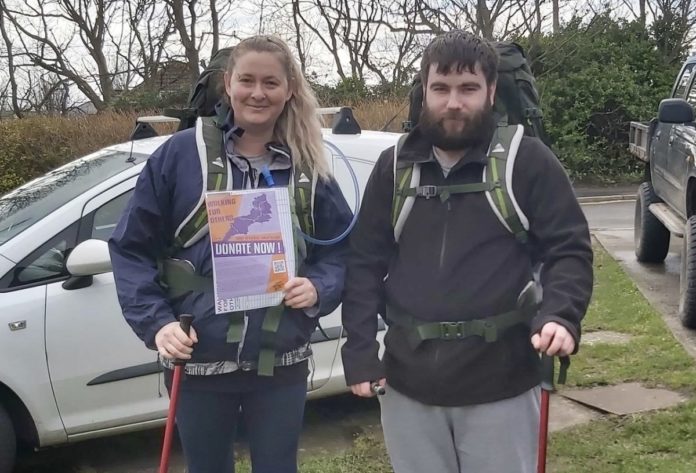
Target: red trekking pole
[[546, 389], [185, 323]]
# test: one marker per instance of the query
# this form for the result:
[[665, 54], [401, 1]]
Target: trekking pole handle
[[185, 324], [377, 388], [547, 372]]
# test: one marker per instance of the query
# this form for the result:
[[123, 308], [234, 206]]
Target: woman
[[267, 101]]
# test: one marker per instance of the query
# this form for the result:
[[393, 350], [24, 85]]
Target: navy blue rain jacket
[[167, 190]]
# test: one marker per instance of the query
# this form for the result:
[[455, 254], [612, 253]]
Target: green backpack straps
[[406, 176], [304, 184], [214, 169], [497, 184], [501, 161]]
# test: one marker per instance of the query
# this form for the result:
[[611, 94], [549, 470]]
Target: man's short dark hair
[[457, 50]]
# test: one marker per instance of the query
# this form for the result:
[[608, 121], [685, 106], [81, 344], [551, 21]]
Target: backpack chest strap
[[444, 192]]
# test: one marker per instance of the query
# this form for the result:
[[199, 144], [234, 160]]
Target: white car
[[71, 367]]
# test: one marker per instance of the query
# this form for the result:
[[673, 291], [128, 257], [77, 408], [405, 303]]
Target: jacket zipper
[[247, 179], [444, 234], [241, 343]]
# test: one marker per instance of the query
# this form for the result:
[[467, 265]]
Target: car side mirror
[[675, 111], [89, 258]]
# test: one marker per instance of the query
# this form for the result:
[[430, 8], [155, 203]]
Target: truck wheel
[[650, 236], [8, 442], [687, 278]]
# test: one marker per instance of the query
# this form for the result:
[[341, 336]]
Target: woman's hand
[[173, 343], [300, 293]]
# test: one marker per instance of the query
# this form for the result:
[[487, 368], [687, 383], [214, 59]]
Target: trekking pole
[[377, 388], [185, 323], [546, 389]]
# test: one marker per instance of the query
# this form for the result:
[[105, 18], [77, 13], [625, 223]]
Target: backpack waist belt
[[489, 328], [178, 277]]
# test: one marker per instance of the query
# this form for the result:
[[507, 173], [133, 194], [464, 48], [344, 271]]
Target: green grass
[[656, 442], [653, 356], [367, 456], [653, 442]]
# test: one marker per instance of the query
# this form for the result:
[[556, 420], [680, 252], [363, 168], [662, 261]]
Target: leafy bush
[[35, 145], [593, 80]]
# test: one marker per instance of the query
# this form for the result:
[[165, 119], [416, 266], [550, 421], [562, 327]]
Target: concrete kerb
[[603, 199]]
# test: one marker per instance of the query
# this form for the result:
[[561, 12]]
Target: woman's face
[[258, 89]]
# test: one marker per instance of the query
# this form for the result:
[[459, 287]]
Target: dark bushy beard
[[476, 132]]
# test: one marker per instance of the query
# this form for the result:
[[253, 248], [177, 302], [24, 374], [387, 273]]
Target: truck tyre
[[687, 278], [651, 237], [8, 442]]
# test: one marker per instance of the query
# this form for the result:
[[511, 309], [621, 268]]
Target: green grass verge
[[655, 442], [653, 356]]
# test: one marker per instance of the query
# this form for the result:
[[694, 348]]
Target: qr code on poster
[[279, 267]]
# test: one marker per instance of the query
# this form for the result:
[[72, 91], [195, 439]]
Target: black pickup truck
[[666, 202]]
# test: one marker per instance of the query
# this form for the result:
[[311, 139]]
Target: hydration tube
[[340, 237], [268, 177]]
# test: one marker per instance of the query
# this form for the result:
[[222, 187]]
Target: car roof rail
[[344, 123], [143, 128]]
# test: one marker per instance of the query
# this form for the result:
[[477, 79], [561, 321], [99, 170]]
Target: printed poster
[[253, 253]]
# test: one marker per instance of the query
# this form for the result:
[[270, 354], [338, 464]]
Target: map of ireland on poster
[[252, 246]]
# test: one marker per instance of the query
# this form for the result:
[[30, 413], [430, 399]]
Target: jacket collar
[[418, 148], [224, 119]]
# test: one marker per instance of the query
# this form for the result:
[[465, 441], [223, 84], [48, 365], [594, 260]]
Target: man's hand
[[365, 389], [300, 293], [554, 340]]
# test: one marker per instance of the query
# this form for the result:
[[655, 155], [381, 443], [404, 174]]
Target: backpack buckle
[[452, 330], [426, 191]]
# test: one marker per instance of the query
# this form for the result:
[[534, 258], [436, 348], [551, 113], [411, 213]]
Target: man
[[465, 400]]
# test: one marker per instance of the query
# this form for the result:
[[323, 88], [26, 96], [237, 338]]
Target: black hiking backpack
[[206, 92], [516, 96]]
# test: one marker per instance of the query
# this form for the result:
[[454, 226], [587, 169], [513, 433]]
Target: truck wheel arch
[[691, 197]]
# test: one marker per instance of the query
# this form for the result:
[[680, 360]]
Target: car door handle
[[657, 134]]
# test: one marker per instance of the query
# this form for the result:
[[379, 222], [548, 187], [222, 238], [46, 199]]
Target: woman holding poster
[[271, 137]]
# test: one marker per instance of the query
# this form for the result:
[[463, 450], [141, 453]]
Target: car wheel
[[687, 278], [8, 442], [651, 237]]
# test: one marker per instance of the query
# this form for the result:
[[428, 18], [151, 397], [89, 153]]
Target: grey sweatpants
[[498, 437]]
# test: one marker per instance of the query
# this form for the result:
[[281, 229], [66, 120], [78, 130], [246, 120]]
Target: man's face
[[457, 108]]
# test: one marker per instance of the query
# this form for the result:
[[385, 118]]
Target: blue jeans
[[207, 424]]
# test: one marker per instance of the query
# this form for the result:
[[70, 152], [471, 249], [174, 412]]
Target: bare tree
[[39, 24], [674, 25], [307, 12], [141, 46], [11, 69], [188, 16], [556, 16], [487, 19], [47, 93], [365, 39]]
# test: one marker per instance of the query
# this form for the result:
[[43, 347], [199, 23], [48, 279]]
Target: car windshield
[[22, 207]]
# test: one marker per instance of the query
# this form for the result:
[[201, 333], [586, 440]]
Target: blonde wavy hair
[[298, 126]]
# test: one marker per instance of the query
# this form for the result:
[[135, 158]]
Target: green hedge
[[32, 146], [594, 80]]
